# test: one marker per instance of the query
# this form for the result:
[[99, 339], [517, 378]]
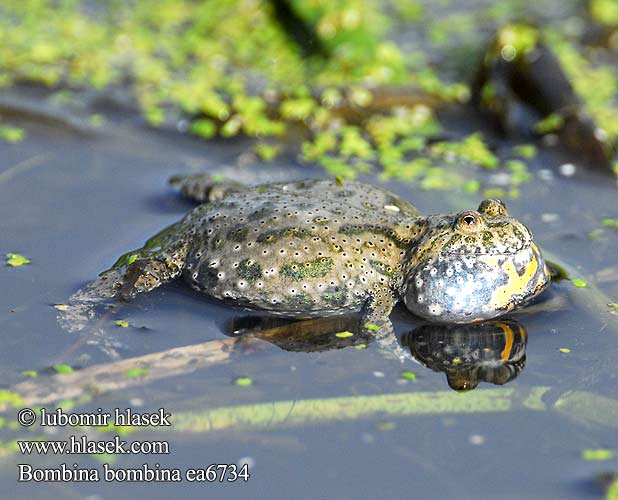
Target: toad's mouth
[[516, 263], [499, 250]]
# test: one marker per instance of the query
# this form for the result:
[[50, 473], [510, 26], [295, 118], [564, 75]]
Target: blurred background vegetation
[[353, 85]]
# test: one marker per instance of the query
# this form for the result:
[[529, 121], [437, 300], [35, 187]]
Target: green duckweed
[[137, 372], [344, 335], [613, 223], [16, 260], [223, 68], [243, 381], [63, 368], [11, 134], [598, 454]]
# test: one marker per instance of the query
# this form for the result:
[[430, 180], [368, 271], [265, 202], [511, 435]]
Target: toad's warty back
[[319, 247]]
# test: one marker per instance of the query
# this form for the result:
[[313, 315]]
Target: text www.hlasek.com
[[82, 446]]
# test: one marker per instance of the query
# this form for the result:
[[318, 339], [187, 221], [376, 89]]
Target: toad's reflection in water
[[311, 335], [493, 351]]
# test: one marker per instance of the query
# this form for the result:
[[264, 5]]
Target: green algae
[[243, 381], [228, 67], [199, 62], [11, 134], [518, 171], [11, 398], [471, 149], [598, 454], [604, 11], [612, 491], [594, 82], [527, 151], [372, 327], [8, 448], [520, 38], [137, 372], [613, 223], [344, 335], [551, 123], [268, 152], [63, 368], [16, 260]]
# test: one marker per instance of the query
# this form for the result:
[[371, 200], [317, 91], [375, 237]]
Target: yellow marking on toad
[[515, 284], [508, 331], [546, 274]]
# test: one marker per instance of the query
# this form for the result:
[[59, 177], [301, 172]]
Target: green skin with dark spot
[[316, 248]]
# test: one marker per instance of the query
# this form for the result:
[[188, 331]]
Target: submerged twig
[[24, 165], [114, 376]]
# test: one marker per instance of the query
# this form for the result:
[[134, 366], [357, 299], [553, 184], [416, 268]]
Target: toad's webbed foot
[[204, 187], [160, 260], [142, 276]]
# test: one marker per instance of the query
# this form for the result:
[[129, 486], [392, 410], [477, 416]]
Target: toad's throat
[[472, 287]]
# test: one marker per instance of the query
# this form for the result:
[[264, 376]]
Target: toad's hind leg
[[205, 187], [160, 260]]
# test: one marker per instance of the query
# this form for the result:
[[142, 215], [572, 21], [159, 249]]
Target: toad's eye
[[469, 219], [469, 222]]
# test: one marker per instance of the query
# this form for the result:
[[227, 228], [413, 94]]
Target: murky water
[[73, 203]]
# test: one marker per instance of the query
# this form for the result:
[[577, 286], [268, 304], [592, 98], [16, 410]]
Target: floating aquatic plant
[[16, 260], [63, 368], [230, 67]]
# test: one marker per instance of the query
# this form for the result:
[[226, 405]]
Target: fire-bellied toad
[[323, 247]]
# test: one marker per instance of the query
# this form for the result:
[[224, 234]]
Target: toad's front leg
[[376, 324]]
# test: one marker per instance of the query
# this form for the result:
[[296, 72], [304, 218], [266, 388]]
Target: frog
[[493, 351], [325, 247]]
